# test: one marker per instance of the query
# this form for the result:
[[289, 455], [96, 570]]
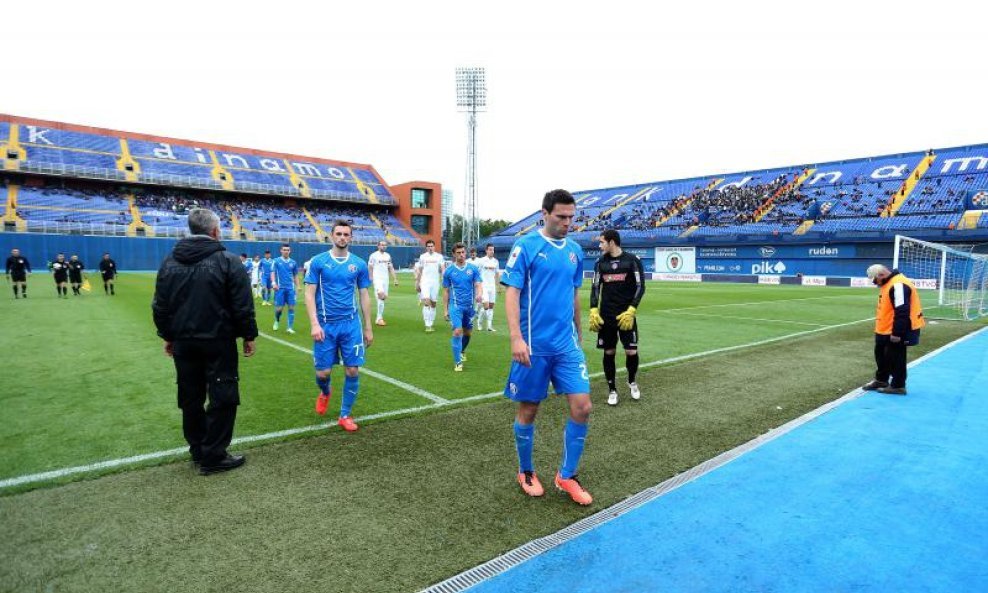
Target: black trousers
[[890, 359], [207, 367]]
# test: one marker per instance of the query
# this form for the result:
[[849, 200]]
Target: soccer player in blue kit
[[336, 327], [283, 273], [542, 305], [462, 283], [267, 265]]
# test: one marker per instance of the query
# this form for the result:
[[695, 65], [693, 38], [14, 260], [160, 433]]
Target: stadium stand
[[920, 191], [60, 180]]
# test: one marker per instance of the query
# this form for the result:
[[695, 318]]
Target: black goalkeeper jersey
[[618, 282]]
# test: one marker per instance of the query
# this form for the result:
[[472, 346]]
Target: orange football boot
[[529, 482], [347, 424], [322, 402], [572, 487]]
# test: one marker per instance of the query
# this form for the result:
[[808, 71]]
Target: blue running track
[[882, 494]]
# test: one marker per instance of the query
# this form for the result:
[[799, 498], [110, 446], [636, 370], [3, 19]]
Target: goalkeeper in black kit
[[618, 287]]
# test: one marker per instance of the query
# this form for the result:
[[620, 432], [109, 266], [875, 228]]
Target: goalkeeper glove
[[626, 320], [596, 321]]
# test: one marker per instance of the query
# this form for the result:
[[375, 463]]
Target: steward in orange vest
[[898, 321], [899, 312]]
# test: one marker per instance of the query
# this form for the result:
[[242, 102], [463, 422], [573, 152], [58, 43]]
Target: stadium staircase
[[237, 229], [970, 219], [137, 222], [801, 229], [363, 188], [299, 183], [130, 167], [11, 151], [689, 200], [791, 186], [219, 174], [10, 210], [620, 204], [908, 186], [689, 231], [321, 235]]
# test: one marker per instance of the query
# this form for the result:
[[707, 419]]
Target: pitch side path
[[880, 494]]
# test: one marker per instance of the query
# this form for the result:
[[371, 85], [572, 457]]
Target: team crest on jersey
[[351, 268], [614, 266], [572, 257]]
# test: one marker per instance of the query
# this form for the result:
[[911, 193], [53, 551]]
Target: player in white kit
[[255, 276], [380, 267], [490, 274], [428, 275]]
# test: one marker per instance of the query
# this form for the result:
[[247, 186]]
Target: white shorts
[[490, 294], [430, 290], [381, 286]]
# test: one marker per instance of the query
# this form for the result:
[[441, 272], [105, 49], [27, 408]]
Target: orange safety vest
[[885, 312]]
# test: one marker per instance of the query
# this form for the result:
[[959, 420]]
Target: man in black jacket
[[202, 304]]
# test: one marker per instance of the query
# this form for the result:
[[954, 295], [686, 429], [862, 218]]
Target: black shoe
[[873, 385], [892, 390], [224, 465]]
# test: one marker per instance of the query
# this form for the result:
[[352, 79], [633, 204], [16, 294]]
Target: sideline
[[525, 552]]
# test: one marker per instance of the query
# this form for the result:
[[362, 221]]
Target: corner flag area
[[880, 493]]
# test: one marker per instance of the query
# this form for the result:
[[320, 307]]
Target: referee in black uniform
[[75, 274], [618, 287], [60, 269], [17, 270], [108, 269]]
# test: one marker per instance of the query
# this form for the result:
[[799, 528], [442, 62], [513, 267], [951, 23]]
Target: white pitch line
[[835, 296], [256, 438], [406, 386], [749, 318]]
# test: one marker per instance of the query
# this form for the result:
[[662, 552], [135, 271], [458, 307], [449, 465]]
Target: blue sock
[[291, 318], [466, 341], [350, 386], [277, 315], [573, 438], [457, 342], [323, 385], [524, 440]]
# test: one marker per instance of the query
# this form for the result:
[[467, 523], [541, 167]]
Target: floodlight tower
[[471, 97]]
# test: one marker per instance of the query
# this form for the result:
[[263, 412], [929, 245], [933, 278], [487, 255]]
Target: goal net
[[952, 279]]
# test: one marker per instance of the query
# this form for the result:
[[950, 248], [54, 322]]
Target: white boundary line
[[496, 566], [749, 318], [751, 303], [124, 461], [406, 386]]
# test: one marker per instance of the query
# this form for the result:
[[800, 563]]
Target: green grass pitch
[[413, 497]]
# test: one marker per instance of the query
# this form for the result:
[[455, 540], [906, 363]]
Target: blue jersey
[[546, 271], [460, 282], [285, 271], [335, 280], [249, 266], [266, 266]]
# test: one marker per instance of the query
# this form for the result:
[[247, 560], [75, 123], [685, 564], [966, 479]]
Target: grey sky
[[581, 94]]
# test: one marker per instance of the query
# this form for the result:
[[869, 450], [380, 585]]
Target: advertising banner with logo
[[814, 280], [770, 280], [675, 260]]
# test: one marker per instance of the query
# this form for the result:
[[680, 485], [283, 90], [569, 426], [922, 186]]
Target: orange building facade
[[420, 207]]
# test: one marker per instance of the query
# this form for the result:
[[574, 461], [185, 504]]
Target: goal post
[[952, 279]]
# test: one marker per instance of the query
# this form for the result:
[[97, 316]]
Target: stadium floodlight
[[471, 97], [952, 279]]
